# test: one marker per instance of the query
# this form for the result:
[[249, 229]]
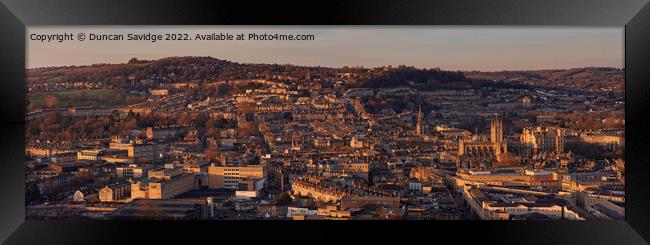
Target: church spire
[[496, 130]]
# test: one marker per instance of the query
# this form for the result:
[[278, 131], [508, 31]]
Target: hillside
[[172, 69], [589, 78], [208, 69]]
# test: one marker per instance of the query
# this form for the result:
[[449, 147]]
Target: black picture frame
[[634, 15]]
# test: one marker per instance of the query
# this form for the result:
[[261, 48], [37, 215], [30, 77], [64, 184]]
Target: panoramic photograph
[[324, 123]]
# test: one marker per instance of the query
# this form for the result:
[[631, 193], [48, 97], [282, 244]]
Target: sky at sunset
[[450, 48]]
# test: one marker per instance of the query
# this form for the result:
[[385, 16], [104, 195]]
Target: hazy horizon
[[257, 63], [449, 48]]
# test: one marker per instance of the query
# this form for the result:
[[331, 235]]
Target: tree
[[284, 198], [288, 116], [213, 153], [32, 192], [588, 150], [211, 132], [244, 107], [130, 124], [248, 129], [53, 118], [211, 123], [33, 130], [201, 119], [51, 101], [184, 119], [151, 210], [31, 107]]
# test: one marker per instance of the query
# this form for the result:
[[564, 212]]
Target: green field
[[82, 97]]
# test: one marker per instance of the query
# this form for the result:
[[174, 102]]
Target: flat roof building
[[230, 176]]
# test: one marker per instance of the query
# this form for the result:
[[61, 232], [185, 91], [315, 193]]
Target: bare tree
[[51, 101], [151, 210]]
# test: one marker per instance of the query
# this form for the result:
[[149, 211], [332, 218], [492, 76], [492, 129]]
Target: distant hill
[[208, 69], [410, 76], [172, 69], [588, 78]]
